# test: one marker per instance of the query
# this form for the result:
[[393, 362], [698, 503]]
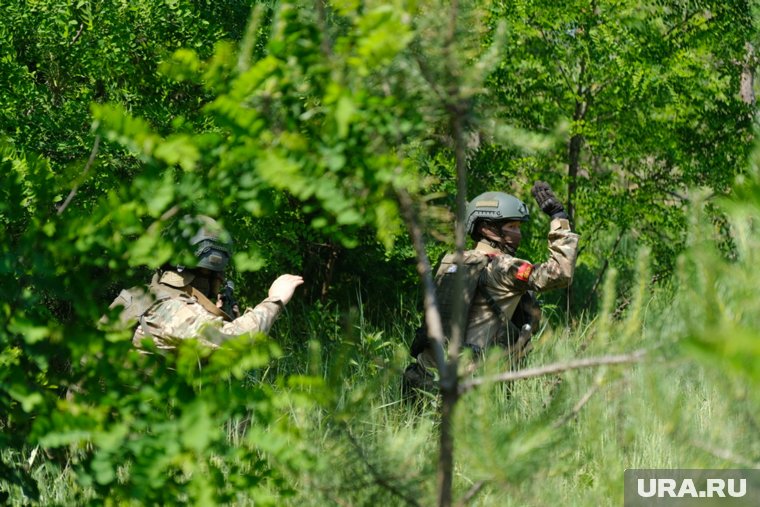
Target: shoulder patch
[[524, 271]]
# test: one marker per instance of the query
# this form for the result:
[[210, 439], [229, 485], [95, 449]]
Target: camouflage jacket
[[506, 279], [171, 310]]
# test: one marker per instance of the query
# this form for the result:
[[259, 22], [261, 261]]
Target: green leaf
[[29, 400], [30, 332], [344, 113], [180, 150], [245, 261], [160, 195], [196, 426]]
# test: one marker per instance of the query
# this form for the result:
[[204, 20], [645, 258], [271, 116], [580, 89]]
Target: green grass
[[692, 403], [373, 449]]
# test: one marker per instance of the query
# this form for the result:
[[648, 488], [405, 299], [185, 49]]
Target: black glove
[[547, 201]]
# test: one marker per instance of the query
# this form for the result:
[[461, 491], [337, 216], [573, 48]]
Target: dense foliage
[[299, 127]]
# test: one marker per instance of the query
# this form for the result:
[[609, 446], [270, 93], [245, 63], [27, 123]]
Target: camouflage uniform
[[172, 310], [507, 279]]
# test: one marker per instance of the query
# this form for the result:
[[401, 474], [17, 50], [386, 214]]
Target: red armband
[[523, 272]]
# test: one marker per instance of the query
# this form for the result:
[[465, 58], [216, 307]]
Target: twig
[[562, 71], [378, 478], [73, 192], [677, 196], [76, 37], [429, 78], [550, 369], [727, 455], [474, 490], [578, 406], [683, 24], [606, 264]]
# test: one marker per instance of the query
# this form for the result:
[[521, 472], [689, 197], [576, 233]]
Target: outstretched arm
[[184, 317], [262, 316]]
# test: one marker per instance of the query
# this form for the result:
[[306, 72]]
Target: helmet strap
[[507, 243]]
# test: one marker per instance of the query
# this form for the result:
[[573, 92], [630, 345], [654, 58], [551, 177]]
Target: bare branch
[[166, 215], [471, 493], [550, 369], [601, 274], [474, 490], [562, 70], [727, 455], [682, 24], [87, 166], [595, 388], [578, 406], [427, 75], [678, 196], [79, 32], [379, 479], [432, 315]]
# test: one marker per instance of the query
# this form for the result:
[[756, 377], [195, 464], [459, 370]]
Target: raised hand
[[547, 201], [284, 286]]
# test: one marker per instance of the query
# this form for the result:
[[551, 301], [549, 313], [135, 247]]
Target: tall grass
[[527, 443], [564, 439]]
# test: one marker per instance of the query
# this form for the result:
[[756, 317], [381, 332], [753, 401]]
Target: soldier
[[502, 309], [178, 303]]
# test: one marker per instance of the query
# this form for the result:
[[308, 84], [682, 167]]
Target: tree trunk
[[574, 156], [747, 87]]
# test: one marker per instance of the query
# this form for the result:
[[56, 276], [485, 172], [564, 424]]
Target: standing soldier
[[499, 287], [178, 303]]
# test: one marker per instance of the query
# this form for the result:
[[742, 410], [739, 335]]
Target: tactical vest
[[446, 295], [445, 282], [136, 302], [474, 263]]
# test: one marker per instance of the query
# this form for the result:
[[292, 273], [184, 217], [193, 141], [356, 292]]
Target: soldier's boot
[[417, 381]]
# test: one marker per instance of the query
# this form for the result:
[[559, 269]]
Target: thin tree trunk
[[332, 259], [574, 155], [432, 315], [457, 110], [450, 378], [747, 87]]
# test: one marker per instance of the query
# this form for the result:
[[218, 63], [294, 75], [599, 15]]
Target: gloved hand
[[547, 201], [284, 286]]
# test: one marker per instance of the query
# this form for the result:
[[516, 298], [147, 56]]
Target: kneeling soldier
[[182, 303], [500, 287]]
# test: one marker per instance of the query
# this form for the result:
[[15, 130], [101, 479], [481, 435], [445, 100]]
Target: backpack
[[519, 329], [136, 301], [528, 311], [473, 263]]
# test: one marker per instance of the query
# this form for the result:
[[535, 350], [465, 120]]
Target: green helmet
[[494, 206], [211, 244]]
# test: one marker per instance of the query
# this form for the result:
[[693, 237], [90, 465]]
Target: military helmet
[[211, 244], [494, 206]]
